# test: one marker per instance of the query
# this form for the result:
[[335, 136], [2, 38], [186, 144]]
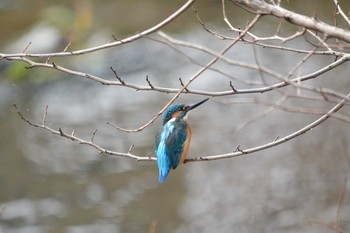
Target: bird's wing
[[175, 142], [163, 159], [156, 144], [169, 145]]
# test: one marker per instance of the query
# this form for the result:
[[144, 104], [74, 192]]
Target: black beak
[[192, 106]]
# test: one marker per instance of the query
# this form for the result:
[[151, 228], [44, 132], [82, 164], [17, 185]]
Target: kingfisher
[[173, 139]]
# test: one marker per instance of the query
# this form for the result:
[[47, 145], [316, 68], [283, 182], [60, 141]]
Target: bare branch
[[315, 32], [261, 7], [295, 50], [169, 19], [276, 142], [238, 151], [341, 12], [91, 143], [267, 88]]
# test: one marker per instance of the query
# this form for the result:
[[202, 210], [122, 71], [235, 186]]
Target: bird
[[173, 139]]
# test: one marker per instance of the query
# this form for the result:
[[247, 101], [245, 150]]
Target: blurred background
[[50, 184]]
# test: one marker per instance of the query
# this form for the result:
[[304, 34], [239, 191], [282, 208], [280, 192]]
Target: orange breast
[[187, 143]]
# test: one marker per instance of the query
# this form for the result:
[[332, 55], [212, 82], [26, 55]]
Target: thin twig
[[64, 50], [93, 135], [25, 49], [204, 26], [340, 204], [182, 84], [130, 149], [149, 82], [262, 114], [117, 76], [45, 115], [232, 87], [339, 9]]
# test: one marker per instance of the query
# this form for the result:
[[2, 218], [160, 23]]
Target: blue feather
[[172, 141], [163, 162], [169, 146], [168, 114], [176, 141]]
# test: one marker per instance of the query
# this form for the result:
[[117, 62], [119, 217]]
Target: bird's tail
[[163, 174], [163, 162], [163, 167]]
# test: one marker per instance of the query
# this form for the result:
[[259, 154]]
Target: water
[[50, 184]]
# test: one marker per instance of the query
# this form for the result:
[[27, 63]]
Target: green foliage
[[16, 72]]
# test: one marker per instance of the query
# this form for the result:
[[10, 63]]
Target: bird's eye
[[185, 107]]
